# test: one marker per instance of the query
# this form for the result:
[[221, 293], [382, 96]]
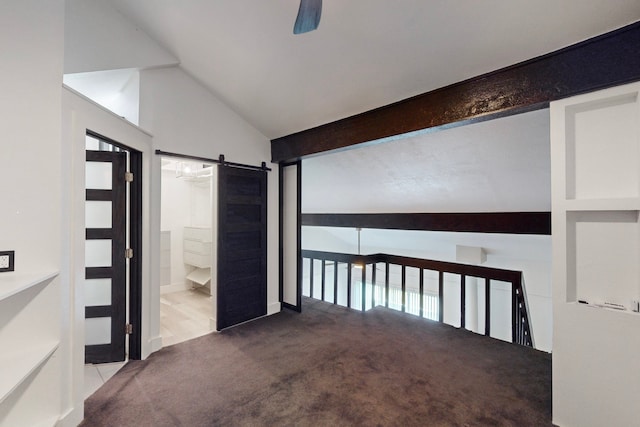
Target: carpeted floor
[[331, 366]]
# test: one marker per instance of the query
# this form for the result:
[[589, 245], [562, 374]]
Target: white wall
[[500, 165], [31, 42], [98, 38], [186, 118], [32, 49]]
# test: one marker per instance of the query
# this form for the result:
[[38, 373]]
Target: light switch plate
[[6, 261]]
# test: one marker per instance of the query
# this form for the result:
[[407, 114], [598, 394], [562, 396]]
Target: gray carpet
[[331, 366]]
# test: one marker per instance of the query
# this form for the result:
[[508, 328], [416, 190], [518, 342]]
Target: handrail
[[520, 323]]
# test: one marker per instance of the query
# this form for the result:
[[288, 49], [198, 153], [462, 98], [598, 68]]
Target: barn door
[[105, 257], [242, 245]]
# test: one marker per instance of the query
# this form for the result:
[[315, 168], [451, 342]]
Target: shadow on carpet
[[331, 366]]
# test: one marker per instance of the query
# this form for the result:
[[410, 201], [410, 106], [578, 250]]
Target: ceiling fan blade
[[308, 16]]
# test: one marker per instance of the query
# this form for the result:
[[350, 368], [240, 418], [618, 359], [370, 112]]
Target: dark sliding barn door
[[105, 257], [242, 245]]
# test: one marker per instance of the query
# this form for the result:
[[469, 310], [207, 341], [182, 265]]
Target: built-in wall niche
[[595, 181], [603, 252], [594, 169]]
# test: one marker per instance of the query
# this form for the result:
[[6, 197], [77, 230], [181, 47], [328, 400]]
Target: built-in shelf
[[13, 283], [602, 252], [616, 204], [595, 170], [17, 366], [606, 309], [48, 422]]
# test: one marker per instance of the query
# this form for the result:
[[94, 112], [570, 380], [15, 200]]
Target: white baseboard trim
[[155, 344], [71, 418], [273, 308], [213, 324], [175, 287]]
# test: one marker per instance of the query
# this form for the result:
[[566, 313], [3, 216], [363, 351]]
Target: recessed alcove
[[602, 251], [594, 169]]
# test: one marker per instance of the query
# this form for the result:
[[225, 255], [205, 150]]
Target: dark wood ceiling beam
[[604, 61], [474, 222]]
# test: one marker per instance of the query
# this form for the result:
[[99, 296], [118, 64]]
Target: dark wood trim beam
[[482, 222], [603, 61]]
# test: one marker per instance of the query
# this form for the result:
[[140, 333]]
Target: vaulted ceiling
[[365, 54]]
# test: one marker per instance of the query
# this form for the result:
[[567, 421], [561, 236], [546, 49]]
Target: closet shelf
[[16, 367], [13, 283], [200, 275]]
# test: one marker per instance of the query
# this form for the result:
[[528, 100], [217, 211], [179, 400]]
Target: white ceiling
[[365, 54], [501, 165]]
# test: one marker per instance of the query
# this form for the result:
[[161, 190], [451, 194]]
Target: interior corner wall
[[98, 37], [125, 104], [32, 49], [186, 118]]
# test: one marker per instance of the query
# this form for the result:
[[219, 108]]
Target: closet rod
[[220, 160]]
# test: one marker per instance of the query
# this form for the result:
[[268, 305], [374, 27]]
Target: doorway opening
[[113, 257], [188, 194]]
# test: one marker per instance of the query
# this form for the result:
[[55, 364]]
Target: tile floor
[[183, 315], [96, 375]]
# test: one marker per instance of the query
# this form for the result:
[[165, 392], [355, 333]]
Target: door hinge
[[128, 176], [128, 253], [128, 329]]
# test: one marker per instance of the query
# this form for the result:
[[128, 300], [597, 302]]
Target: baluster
[[523, 337], [440, 296], [373, 285], [311, 262], [386, 286], [363, 287], [323, 279], [514, 313], [335, 283], [349, 284], [404, 287], [421, 292], [487, 307], [463, 300]]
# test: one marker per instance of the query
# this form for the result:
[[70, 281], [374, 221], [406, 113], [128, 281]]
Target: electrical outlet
[[6, 260]]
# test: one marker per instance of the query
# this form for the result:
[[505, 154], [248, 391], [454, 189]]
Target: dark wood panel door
[[242, 245], [105, 260]]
